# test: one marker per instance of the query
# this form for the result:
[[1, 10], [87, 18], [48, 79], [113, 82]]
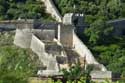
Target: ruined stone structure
[[51, 8], [56, 45]]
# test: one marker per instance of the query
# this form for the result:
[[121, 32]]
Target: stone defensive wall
[[38, 47], [14, 24], [83, 51], [51, 9], [22, 21]]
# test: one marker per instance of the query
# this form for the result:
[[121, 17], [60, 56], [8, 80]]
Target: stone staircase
[[72, 56], [48, 52]]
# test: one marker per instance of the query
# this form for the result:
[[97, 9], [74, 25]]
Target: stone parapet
[[101, 76]]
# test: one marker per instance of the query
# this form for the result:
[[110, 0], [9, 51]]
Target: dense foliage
[[26, 9], [16, 65], [75, 74], [107, 48]]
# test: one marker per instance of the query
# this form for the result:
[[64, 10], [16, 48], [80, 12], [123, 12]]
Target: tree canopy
[[107, 48], [25, 9]]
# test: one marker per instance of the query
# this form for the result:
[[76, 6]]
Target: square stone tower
[[66, 29]]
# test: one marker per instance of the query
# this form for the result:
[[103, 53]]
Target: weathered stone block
[[23, 38], [66, 35]]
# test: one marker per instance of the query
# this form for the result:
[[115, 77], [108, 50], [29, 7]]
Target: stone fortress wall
[[40, 39], [35, 39], [77, 44], [50, 8], [66, 37]]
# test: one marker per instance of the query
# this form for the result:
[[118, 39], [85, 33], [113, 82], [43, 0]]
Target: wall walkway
[[50, 8]]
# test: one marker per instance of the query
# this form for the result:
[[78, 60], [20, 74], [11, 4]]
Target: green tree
[[30, 9]]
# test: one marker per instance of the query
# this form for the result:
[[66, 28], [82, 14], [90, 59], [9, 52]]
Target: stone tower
[[70, 21]]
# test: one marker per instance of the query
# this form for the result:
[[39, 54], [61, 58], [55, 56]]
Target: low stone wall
[[38, 47], [83, 50], [101, 76]]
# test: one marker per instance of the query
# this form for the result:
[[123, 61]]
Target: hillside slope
[[16, 64]]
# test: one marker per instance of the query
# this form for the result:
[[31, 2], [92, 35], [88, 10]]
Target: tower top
[[73, 19]]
